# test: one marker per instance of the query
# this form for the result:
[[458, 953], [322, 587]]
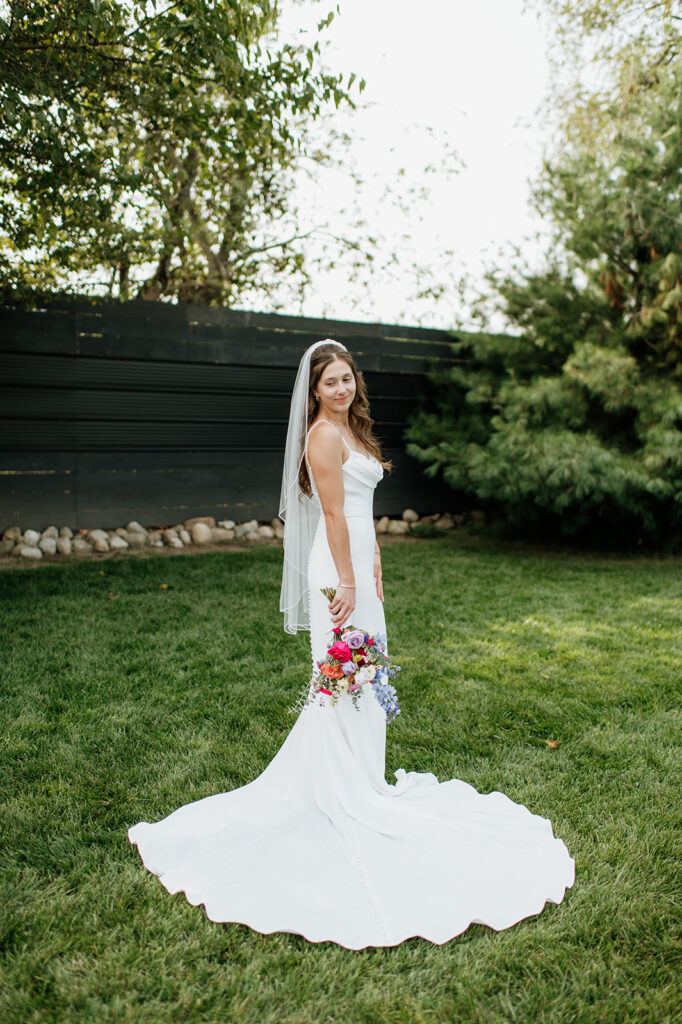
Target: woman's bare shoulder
[[325, 440]]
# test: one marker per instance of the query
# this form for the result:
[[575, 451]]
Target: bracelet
[[345, 586]]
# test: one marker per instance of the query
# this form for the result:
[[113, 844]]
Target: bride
[[320, 844]]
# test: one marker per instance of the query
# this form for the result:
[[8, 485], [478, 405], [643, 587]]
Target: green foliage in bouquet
[[574, 427]]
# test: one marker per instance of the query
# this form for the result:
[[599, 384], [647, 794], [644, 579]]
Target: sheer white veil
[[299, 513]]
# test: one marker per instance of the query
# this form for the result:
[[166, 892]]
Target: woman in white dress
[[320, 844]]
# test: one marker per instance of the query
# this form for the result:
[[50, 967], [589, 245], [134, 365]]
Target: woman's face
[[336, 387]]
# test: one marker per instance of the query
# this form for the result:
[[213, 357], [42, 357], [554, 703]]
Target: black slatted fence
[[111, 412]]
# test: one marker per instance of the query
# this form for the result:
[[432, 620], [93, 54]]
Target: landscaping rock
[[95, 535], [252, 535], [398, 526], [136, 540], [118, 543], [134, 527], [445, 522], [201, 533], [48, 545], [185, 536], [220, 535], [12, 533], [30, 551], [155, 538], [64, 531], [382, 525], [243, 528], [169, 535], [409, 515], [31, 537], [226, 524], [6, 545], [64, 545], [101, 544], [199, 521], [50, 531], [175, 542], [81, 546], [266, 532]]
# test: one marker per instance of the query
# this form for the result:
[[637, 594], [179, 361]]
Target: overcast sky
[[473, 72]]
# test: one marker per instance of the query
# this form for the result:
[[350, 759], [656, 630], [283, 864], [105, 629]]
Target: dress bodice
[[361, 474]]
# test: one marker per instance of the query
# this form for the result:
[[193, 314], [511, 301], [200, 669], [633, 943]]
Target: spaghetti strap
[[323, 420]]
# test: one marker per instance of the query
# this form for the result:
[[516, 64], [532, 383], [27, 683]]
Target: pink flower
[[340, 651]]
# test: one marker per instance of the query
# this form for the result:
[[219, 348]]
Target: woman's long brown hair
[[359, 419]]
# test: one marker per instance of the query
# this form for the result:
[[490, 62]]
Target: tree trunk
[[157, 285]]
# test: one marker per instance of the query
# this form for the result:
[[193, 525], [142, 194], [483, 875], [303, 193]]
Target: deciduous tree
[[152, 145]]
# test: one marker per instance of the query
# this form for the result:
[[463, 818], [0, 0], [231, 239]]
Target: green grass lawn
[[132, 686]]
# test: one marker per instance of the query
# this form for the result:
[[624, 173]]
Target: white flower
[[365, 674]]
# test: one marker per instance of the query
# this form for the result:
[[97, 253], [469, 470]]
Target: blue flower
[[388, 700]]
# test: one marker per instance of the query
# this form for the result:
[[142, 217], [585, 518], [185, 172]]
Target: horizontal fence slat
[[56, 371], [117, 334], [368, 354], [148, 407], [91, 327], [87, 435], [175, 408], [51, 371], [137, 310]]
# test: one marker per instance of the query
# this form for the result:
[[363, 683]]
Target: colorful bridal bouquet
[[355, 660]]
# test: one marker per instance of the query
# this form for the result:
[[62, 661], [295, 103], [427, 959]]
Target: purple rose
[[348, 668], [354, 638]]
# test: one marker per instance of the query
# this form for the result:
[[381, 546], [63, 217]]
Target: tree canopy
[[603, 53], [151, 144]]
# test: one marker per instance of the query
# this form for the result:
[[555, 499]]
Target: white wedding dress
[[321, 845]]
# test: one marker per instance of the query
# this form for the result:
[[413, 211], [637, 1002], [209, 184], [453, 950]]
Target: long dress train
[[321, 845]]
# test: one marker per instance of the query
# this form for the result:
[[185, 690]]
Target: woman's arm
[[377, 571], [325, 455]]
